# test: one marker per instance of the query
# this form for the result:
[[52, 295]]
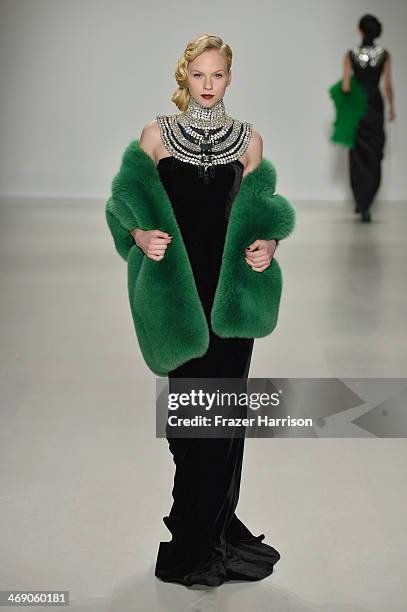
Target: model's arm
[[148, 142], [255, 155], [261, 252], [388, 86], [153, 243], [347, 68]]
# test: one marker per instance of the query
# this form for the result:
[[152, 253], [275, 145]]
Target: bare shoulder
[[256, 144], [254, 152], [150, 139]]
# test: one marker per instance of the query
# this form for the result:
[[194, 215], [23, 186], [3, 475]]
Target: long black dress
[[367, 153], [209, 545]]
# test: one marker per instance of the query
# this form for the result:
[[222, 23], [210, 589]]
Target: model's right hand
[[152, 242]]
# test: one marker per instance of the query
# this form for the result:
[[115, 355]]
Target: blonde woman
[[194, 213]]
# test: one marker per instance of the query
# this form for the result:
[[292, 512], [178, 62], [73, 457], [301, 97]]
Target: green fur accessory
[[350, 107], [168, 315]]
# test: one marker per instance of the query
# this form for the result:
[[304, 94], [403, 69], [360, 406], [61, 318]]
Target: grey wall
[[79, 79]]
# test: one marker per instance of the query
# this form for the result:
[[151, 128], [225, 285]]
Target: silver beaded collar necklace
[[205, 137], [368, 55]]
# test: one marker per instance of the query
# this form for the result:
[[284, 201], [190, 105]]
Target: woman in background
[[368, 61]]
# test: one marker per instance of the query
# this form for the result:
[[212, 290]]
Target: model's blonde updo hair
[[195, 47]]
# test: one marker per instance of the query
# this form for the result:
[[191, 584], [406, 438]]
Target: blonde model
[[194, 213]]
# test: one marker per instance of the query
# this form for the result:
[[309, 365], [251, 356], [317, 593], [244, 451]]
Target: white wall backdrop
[[80, 78]]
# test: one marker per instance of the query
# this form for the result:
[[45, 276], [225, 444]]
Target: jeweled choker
[[205, 136]]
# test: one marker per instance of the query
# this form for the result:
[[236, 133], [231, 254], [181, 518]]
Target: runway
[[84, 481]]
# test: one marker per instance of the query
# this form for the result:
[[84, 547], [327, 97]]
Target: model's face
[[208, 74]]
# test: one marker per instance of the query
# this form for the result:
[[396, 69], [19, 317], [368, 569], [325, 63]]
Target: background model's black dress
[[209, 543], [367, 153]]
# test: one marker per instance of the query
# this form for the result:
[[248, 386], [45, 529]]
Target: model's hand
[[152, 242], [392, 115], [260, 259]]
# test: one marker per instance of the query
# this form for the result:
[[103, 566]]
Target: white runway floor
[[84, 481]]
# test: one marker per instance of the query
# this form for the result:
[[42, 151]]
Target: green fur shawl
[[168, 316], [350, 107]]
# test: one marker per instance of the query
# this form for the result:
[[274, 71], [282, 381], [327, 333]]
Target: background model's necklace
[[368, 55], [205, 137]]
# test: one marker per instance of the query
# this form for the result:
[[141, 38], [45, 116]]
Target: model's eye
[[197, 75], [219, 75]]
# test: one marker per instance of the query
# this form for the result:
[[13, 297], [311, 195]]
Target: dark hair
[[371, 28]]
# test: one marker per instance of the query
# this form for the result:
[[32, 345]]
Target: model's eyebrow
[[200, 72]]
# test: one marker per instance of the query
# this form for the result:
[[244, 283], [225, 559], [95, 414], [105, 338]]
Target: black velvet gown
[[210, 544], [366, 155]]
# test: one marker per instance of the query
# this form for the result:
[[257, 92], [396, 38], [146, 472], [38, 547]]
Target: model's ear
[[229, 78]]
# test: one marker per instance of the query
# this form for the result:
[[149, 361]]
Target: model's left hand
[[260, 259]]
